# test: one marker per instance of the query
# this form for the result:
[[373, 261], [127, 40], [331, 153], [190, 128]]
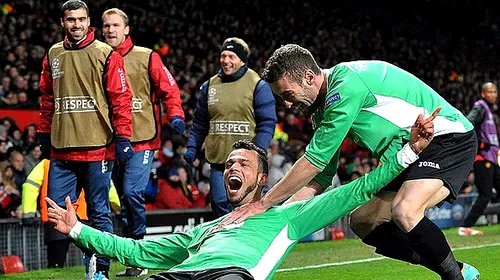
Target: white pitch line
[[373, 259]]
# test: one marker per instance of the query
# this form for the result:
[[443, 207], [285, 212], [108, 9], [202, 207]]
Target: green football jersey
[[259, 244], [375, 104]]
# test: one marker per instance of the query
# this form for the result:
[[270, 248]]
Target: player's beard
[[250, 189]]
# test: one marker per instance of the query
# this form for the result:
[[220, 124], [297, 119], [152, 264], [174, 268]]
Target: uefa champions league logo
[[55, 63], [212, 92], [56, 72]]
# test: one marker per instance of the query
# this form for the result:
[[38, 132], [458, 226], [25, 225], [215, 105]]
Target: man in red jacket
[[151, 83], [85, 118]]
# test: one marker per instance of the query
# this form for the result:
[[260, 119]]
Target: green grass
[[486, 259]]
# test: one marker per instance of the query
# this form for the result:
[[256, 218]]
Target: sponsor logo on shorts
[[429, 164]]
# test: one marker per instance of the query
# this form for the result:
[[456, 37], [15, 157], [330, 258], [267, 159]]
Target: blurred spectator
[[29, 135], [174, 192], [19, 176], [9, 101], [17, 139], [278, 164], [23, 102], [10, 197], [4, 156], [9, 124], [292, 127], [3, 132], [32, 157]]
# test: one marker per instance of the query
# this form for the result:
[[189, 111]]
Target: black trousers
[[227, 273], [487, 177]]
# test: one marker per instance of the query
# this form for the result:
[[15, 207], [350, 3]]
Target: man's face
[[230, 62], [22, 97], [18, 162], [241, 176], [36, 152], [490, 94], [3, 147], [294, 94], [114, 29], [6, 82], [76, 24]]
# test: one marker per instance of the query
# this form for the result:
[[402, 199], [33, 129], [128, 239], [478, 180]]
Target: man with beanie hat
[[235, 104]]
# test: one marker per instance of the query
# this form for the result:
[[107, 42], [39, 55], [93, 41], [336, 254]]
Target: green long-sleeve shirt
[[259, 244], [373, 103]]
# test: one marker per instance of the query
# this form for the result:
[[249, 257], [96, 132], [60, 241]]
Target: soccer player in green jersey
[[254, 248], [374, 104]]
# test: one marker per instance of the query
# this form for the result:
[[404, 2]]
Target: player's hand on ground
[[242, 213], [422, 131], [63, 220]]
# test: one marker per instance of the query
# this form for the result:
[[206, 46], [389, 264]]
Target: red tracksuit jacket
[[164, 88], [120, 104]]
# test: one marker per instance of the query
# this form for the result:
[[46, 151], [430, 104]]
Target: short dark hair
[[262, 155], [72, 5], [289, 59], [487, 85]]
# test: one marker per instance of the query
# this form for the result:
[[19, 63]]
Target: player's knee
[[406, 214]]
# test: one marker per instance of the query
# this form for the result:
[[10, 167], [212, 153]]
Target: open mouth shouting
[[234, 183]]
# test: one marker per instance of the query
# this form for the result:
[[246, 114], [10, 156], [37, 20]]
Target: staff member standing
[[486, 169], [85, 118], [234, 105], [151, 83]]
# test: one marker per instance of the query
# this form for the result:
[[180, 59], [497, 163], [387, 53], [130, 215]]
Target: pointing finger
[[434, 114]]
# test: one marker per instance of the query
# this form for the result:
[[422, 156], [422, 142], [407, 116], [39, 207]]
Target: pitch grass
[[486, 259]]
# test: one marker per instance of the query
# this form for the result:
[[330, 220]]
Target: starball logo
[[212, 96], [56, 72]]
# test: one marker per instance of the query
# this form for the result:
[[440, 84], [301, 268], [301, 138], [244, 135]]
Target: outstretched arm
[[162, 253]]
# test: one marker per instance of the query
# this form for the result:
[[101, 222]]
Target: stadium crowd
[[434, 40]]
